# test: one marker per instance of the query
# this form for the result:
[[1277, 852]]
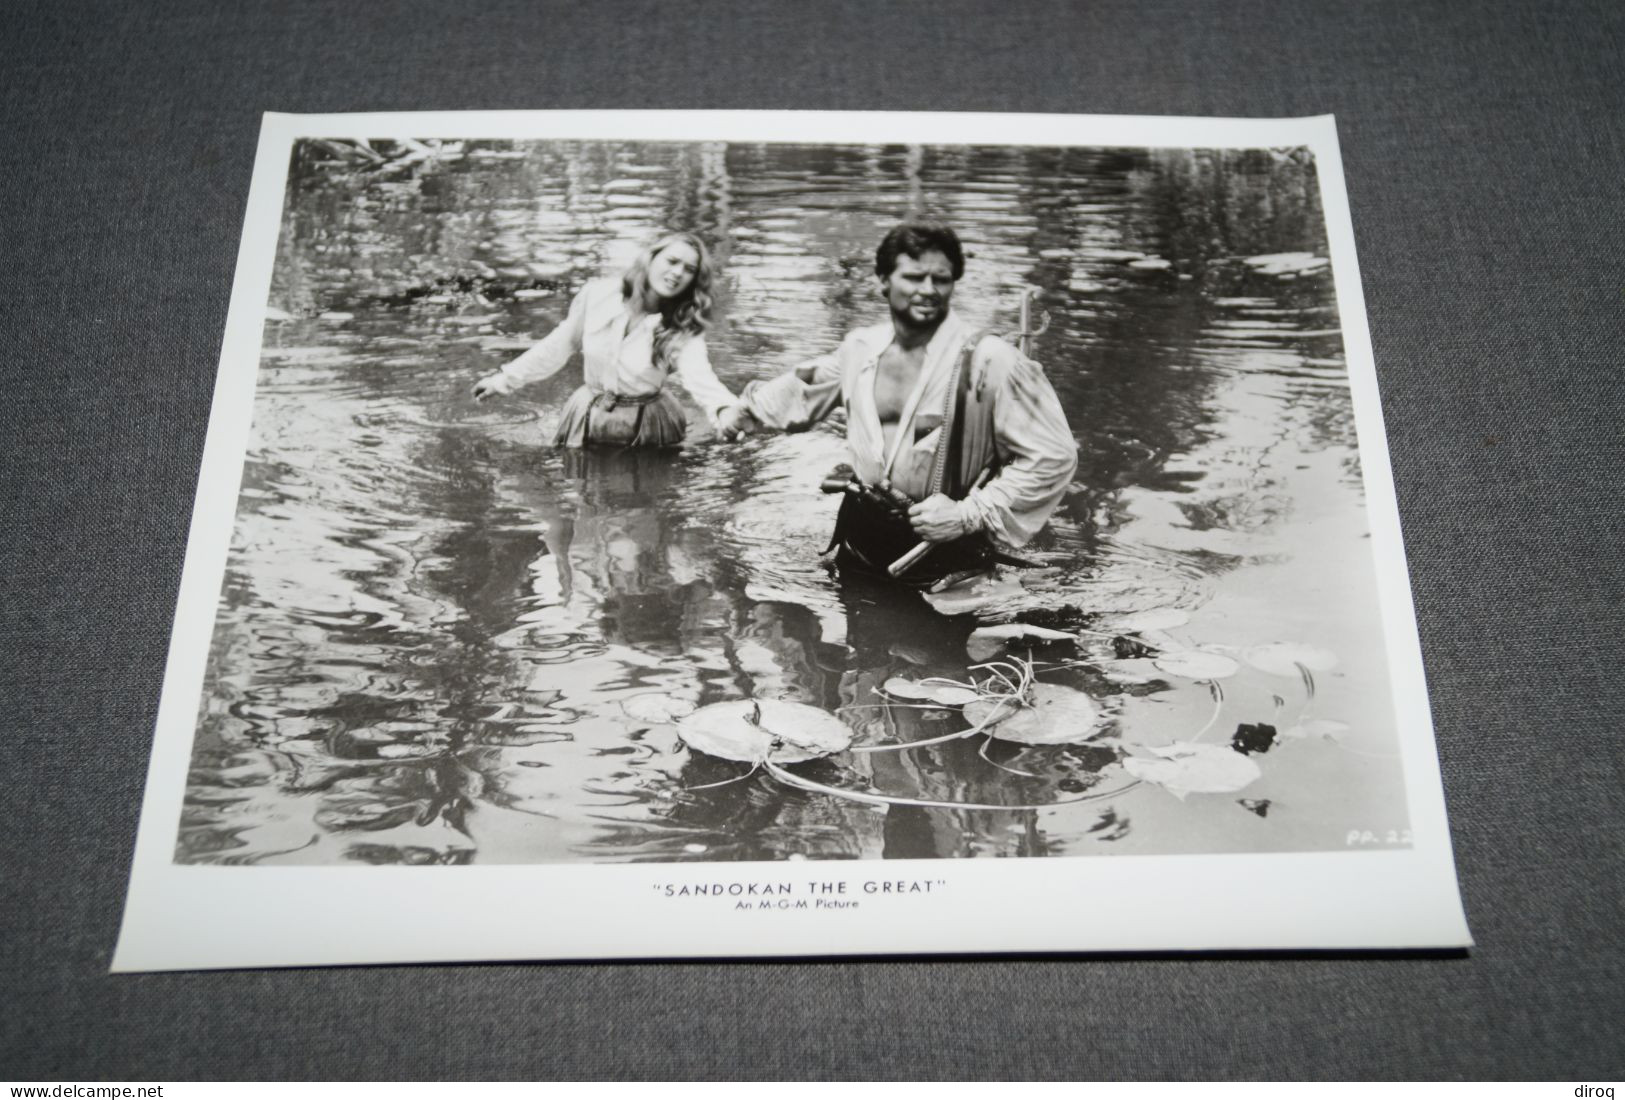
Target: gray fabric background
[[1485, 153]]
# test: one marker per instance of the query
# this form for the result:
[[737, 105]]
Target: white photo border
[[180, 917]]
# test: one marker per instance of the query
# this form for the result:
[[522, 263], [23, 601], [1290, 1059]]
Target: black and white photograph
[[844, 542], [690, 497]]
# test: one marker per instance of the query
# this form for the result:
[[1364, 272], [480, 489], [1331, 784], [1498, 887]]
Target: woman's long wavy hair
[[681, 317]]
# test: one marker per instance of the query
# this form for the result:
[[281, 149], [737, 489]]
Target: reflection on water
[[432, 625]]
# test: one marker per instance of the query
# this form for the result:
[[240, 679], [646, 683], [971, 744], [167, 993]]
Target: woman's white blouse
[[618, 354]]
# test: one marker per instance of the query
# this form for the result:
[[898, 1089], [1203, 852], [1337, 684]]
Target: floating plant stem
[[1218, 704], [754, 768], [955, 736], [1096, 633], [996, 668], [1021, 669], [982, 752], [1308, 711], [889, 719], [794, 780], [1024, 706]]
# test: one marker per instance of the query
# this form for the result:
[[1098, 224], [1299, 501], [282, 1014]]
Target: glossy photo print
[[759, 529]]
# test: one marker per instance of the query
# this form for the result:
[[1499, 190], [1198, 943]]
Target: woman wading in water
[[633, 333]]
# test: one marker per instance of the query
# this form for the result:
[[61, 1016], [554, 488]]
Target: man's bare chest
[[896, 375]]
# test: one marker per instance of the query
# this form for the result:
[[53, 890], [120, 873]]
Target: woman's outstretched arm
[[700, 380], [542, 361]]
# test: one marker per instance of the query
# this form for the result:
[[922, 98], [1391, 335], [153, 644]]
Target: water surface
[[432, 623]]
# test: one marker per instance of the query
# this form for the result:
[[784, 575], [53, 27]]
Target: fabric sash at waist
[[611, 401]]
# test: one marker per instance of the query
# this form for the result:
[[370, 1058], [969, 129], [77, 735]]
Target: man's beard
[[904, 319]]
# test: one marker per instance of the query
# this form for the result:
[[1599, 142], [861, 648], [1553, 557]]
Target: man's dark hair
[[916, 239]]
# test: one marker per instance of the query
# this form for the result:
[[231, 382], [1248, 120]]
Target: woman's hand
[[734, 422], [493, 385]]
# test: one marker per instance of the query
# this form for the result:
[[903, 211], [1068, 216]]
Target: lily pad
[[1187, 767], [1054, 715], [989, 641], [1283, 658], [1158, 618], [1134, 670], [752, 730], [1196, 664], [657, 707], [974, 595], [947, 695]]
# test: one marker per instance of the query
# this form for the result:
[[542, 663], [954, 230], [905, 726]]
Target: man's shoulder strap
[[946, 462]]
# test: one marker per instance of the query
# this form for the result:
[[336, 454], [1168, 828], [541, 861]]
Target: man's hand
[[937, 519], [492, 385], [734, 422]]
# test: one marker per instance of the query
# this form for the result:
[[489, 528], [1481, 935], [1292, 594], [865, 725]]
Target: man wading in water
[[956, 438]]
